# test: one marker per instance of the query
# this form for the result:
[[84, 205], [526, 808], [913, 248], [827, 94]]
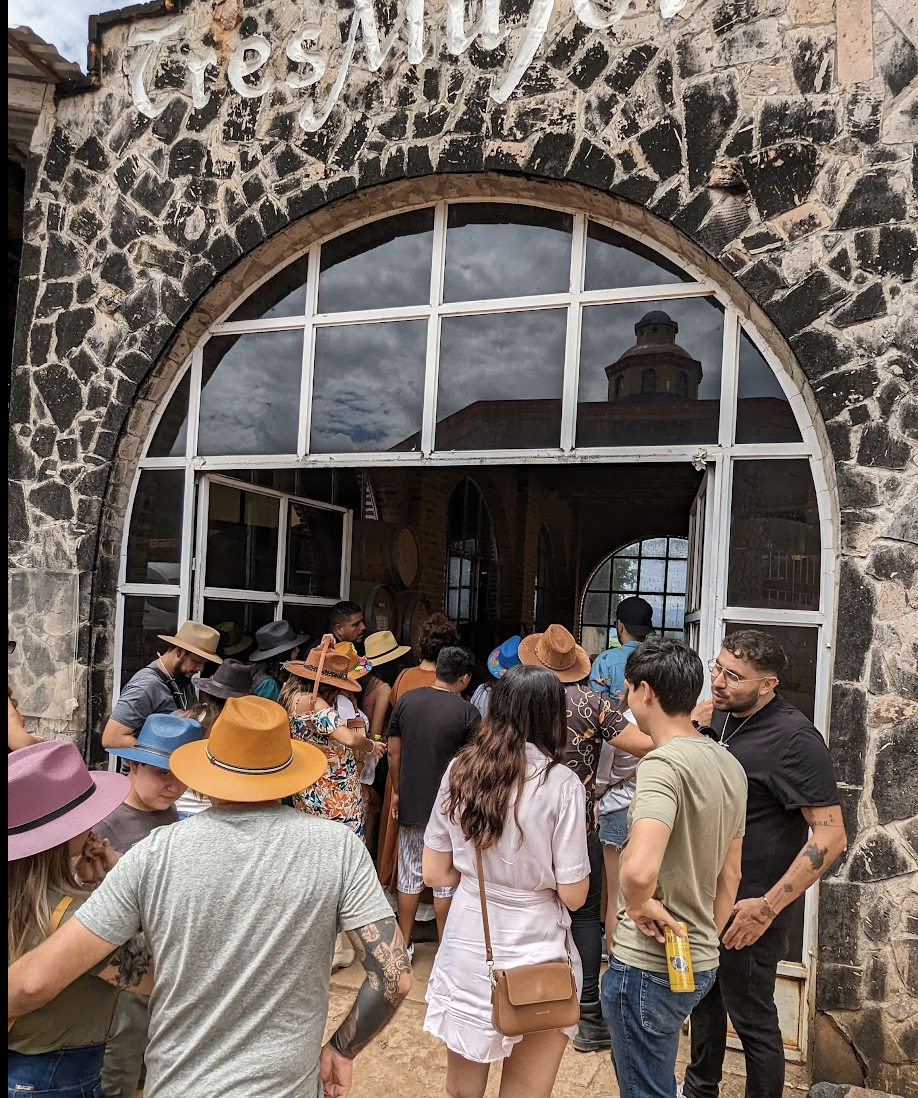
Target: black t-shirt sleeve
[[472, 720], [803, 776], [395, 726]]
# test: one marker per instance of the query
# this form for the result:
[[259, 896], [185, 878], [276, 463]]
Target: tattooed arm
[[41, 973], [388, 981], [753, 916]]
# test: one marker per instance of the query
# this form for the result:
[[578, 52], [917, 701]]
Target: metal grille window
[[655, 569], [471, 564]]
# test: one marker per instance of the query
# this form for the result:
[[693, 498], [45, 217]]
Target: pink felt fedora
[[53, 797]]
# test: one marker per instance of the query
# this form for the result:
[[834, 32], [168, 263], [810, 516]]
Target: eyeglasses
[[730, 677]]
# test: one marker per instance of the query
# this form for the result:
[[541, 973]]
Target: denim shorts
[[613, 828]]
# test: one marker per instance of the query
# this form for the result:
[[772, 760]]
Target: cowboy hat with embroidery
[[334, 669], [160, 735], [357, 666], [504, 657], [233, 639], [232, 679], [53, 797], [556, 650], [249, 756], [198, 639], [274, 639], [382, 647]]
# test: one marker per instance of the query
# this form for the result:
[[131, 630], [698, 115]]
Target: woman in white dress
[[506, 793]]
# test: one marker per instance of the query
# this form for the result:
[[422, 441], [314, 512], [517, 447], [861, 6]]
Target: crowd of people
[[288, 805]]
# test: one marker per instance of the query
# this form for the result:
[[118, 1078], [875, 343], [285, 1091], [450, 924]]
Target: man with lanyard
[[633, 623], [163, 686], [794, 832]]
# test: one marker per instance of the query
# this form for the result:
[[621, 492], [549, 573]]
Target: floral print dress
[[336, 795]]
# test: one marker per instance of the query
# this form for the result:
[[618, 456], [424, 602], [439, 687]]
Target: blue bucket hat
[[504, 657], [159, 736]]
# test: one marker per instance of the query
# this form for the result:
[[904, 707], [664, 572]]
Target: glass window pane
[[601, 580], [250, 394], [242, 539], [154, 547], [656, 601], [368, 387], [171, 434], [675, 613], [246, 616], [595, 607], [680, 343], [800, 644], [653, 547], [678, 547], [774, 537], [503, 250], [675, 575], [145, 617], [763, 412], [500, 381], [614, 261], [633, 550], [282, 295], [379, 266], [653, 575], [624, 574], [314, 540]]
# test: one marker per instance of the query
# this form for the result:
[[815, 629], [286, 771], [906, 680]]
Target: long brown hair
[[28, 882], [527, 706]]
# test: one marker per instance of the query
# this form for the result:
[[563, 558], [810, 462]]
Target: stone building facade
[[771, 142]]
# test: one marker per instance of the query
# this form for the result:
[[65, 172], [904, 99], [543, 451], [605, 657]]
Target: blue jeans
[[645, 1019], [65, 1073]]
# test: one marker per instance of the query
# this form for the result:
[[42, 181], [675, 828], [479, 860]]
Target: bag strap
[[323, 652], [56, 918], [484, 912]]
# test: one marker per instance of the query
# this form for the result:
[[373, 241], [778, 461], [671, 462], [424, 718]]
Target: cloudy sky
[[63, 25]]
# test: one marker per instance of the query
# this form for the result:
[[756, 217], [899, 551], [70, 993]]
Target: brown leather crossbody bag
[[529, 998]]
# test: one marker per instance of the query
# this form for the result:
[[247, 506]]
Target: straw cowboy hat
[[383, 648], [159, 735], [334, 670], [232, 679], [357, 666], [275, 638], [53, 797], [556, 650], [234, 640], [504, 657], [249, 756], [199, 639]]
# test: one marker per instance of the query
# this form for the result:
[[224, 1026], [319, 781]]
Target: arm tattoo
[[816, 856], [133, 961], [385, 962]]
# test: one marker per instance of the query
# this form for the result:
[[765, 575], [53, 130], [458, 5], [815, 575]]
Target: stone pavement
[[405, 1062]]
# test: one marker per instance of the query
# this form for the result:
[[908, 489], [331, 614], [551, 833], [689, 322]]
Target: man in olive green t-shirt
[[681, 864]]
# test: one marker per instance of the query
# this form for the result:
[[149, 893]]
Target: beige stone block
[[890, 708], [904, 13], [808, 12], [891, 601], [854, 40], [802, 221], [834, 1060], [769, 78]]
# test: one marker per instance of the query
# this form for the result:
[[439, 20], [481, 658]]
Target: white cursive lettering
[[240, 67], [297, 51], [198, 64], [151, 39]]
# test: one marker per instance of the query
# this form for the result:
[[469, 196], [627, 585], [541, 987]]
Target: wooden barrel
[[413, 612], [384, 552], [378, 604]]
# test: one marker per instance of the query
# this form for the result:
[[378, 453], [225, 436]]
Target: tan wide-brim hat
[[334, 670], [197, 638], [557, 651], [382, 647], [249, 756]]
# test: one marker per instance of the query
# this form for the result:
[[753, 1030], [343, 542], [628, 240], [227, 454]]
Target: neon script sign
[[246, 68]]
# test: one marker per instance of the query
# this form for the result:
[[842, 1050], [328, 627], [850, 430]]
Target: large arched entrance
[[600, 387]]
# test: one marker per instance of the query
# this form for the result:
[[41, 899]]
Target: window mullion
[[432, 362], [309, 351], [572, 338]]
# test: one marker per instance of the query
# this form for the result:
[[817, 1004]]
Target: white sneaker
[[679, 1091], [410, 951]]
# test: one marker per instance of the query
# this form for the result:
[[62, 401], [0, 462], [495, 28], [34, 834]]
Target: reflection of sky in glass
[[155, 539], [608, 331], [507, 356], [614, 261], [250, 394], [368, 390], [763, 412], [756, 377], [490, 254], [378, 266], [172, 433], [282, 295]]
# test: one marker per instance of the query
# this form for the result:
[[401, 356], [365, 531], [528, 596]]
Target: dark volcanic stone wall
[[780, 144]]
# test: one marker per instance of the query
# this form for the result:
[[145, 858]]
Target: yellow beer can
[[679, 961]]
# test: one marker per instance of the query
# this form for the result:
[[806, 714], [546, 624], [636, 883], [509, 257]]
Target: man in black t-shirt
[[794, 832], [427, 727]]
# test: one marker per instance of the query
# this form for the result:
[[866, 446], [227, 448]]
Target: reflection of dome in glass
[[655, 367]]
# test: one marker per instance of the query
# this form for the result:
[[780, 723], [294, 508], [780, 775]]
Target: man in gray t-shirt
[[240, 905]]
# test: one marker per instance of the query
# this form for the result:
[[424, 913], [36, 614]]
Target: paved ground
[[405, 1062]]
